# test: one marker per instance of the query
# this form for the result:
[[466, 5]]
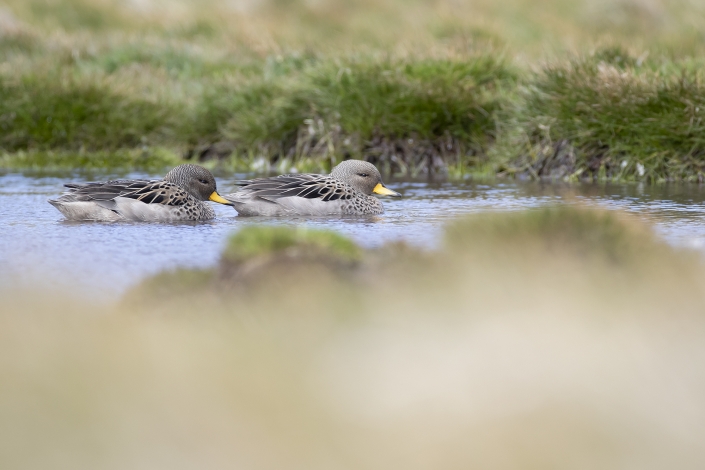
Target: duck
[[347, 190], [180, 196]]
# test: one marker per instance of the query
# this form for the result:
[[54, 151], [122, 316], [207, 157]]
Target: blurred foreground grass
[[554, 89], [556, 338]]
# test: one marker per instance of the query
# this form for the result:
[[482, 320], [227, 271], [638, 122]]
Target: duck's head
[[362, 176], [197, 181]]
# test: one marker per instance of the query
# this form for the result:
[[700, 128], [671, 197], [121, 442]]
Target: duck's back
[[136, 200], [301, 194]]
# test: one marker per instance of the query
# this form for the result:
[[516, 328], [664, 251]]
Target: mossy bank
[[105, 85]]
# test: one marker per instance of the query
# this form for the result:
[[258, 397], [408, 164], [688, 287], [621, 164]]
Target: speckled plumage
[[180, 196], [346, 191]]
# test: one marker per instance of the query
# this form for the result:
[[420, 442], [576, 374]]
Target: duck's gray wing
[[309, 186], [147, 191]]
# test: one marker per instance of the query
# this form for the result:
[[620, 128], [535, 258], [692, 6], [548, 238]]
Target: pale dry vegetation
[[559, 338]]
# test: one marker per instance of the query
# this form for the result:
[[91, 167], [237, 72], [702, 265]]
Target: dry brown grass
[[526, 27]]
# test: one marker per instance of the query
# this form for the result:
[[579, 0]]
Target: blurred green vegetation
[[583, 232], [252, 242], [566, 238], [552, 89]]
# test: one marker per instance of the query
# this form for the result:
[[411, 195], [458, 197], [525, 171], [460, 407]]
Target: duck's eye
[[364, 175], [203, 181]]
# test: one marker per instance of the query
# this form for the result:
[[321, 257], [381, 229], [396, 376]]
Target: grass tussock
[[256, 260], [252, 242], [371, 109], [608, 115], [546, 360]]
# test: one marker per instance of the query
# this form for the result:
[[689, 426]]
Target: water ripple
[[37, 245]]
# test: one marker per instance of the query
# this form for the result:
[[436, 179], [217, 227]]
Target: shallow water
[[103, 259]]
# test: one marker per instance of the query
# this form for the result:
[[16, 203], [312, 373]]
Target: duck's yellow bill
[[215, 197], [385, 191]]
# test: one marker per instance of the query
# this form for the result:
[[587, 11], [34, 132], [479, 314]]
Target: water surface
[[104, 259]]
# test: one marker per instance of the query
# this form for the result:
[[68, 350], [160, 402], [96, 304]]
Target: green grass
[[338, 108], [623, 119], [261, 241], [58, 111]]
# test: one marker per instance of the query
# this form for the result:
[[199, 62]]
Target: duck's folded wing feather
[[301, 185], [149, 192]]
